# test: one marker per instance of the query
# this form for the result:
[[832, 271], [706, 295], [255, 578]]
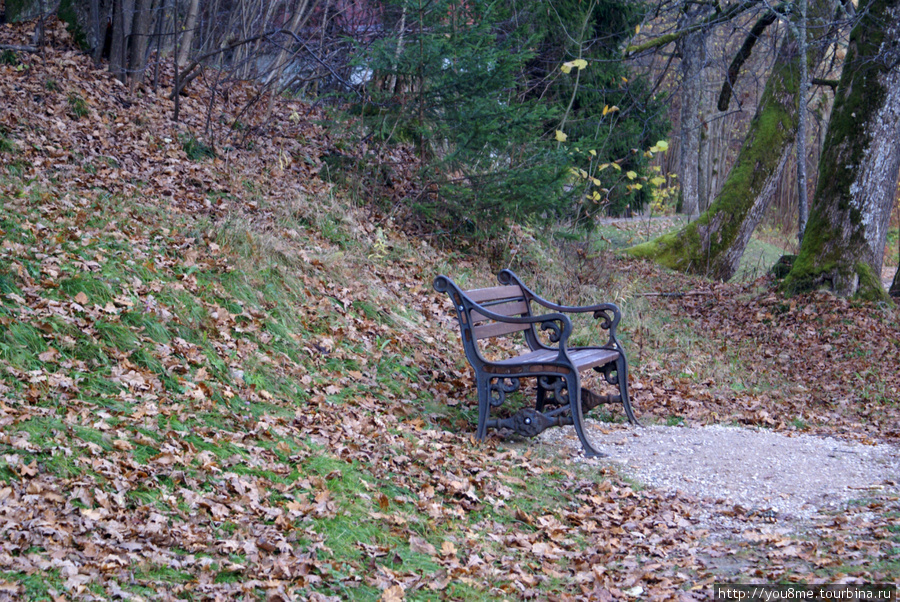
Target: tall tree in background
[[692, 48], [130, 23], [858, 170], [607, 106], [505, 99]]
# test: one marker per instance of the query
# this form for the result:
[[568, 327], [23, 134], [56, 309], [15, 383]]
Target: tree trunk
[[844, 244], [187, 39], [895, 285], [693, 56], [121, 30], [802, 124], [298, 19], [139, 41]]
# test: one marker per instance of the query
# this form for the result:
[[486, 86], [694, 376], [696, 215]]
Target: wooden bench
[[503, 310]]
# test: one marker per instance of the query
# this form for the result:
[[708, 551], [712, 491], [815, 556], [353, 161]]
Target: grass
[[196, 149], [78, 106]]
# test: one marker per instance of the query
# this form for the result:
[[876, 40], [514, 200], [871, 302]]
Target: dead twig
[[680, 294], [15, 48]]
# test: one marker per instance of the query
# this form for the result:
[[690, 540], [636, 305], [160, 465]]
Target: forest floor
[[224, 377]]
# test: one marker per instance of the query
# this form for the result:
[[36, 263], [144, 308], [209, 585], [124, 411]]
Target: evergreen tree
[[606, 107], [449, 80], [486, 91]]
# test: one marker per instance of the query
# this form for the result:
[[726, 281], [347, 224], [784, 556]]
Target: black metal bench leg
[[622, 377], [484, 406], [541, 397], [573, 389]]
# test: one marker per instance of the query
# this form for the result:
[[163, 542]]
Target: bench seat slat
[[480, 295], [584, 358], [496, 329]]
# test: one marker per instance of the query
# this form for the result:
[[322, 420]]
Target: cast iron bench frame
[[507, 309]]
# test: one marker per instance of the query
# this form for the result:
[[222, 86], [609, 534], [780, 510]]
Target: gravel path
[[750, 471]]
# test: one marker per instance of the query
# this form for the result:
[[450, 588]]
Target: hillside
[[222, 377]]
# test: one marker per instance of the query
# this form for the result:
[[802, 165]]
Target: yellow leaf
[[624, 80], [637, 29], [596, 182], [602, 167], [605, 109], [613, 108], [658, 181], [596, 196], [583, 173], [617, 166], [577, 63], [593, 153], [560, 136], [637, 186], [630, 175], [662, 145]]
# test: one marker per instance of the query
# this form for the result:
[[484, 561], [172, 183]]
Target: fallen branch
[[19, 48], [684, 294]]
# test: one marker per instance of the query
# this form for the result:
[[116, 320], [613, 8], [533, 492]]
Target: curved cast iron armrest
[[608, 313], [547, 321]]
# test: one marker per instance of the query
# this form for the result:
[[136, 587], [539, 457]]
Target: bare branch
[[716, 18], [743, 54]]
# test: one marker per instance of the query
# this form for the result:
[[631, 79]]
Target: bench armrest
[[608, 313], [558, 334]]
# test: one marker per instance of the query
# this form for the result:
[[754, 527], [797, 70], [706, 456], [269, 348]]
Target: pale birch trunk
[[693, 56], [187, 38]]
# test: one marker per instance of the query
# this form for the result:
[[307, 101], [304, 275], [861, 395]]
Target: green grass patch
[[20, 345], [78, 106], [96, 290], [36, 586], [116, 336], [196, 149]]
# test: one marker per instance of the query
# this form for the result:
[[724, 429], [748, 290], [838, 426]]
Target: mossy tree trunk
[[844, 244], [714, 243]]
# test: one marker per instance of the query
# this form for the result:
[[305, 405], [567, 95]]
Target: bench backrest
[[508, 300], [503, 300]]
